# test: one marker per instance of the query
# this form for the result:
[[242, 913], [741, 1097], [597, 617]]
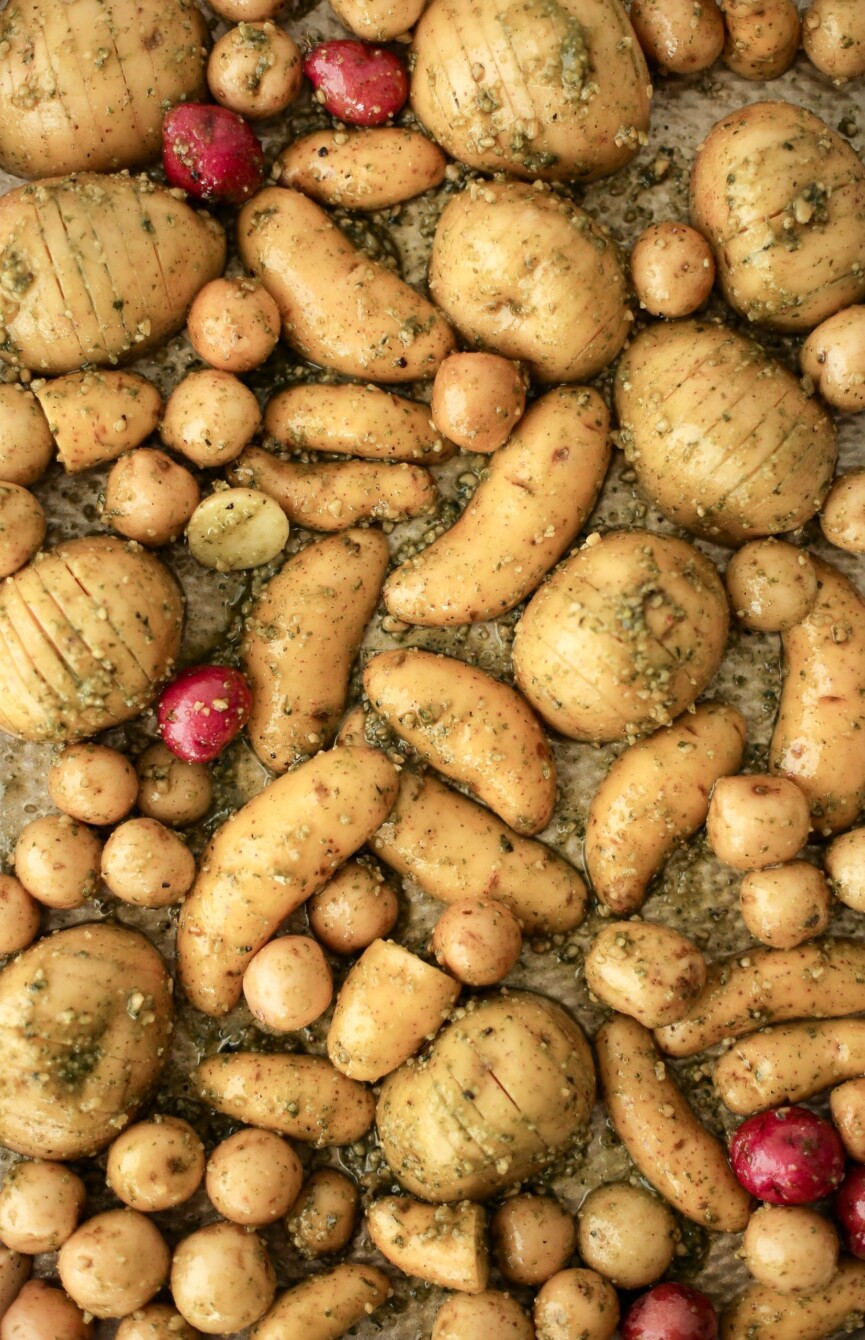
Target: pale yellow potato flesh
[[95, 416], [444, 1245], [789, 1063], [324, 1307]]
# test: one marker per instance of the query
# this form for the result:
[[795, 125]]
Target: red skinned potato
[[202, 710], [360, 84], [671, 1312], [850, 1209], [787, 1157], [212, 153]]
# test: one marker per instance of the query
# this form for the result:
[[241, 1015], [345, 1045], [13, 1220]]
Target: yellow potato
[[761, 1313], [114, 1263], [238, 528], [354, 908], [268, 858], [789, 1063], [533, 1236], [385, 332], [443, 1244], [786, 904], [255, 69], [92, 783], [842, 517], [361, 169], [682, 36], [322, 1218], [790, 1248], [538, 491], [156, 1321], [833, 35], [771, 585], [672, 268], [95, 416], [324, 1307], [847, 1105], [762, 37], [149, 497], [40, 1205], [354, 420], [628, 1235], [755, 821], [233, 324], [478, 940], [833, 356], [651, 973], [222, 1279], [488, 1313], [22, 527], [576, 1302], [155, 1165], [41, 1310], [478, 399], [26, 444]]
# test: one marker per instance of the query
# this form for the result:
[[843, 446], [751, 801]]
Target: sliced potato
[[444, 1244], [96, 416]]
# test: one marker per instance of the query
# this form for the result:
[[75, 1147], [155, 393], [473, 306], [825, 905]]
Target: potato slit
[[82, 664], [112, 320], [64, 270], [131, 270], [15, 61], [710, 498], [119, 302], [24, 697], [131, 691], [56, 273], [24, 665], [109, 26], [151, 231], [103, 610], [41, 648], [47, 131], [70, 55]]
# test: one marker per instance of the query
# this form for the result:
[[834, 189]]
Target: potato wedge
[[443, 1244], [539, 490], [324, 1307], [353, 420], [761, 1313], [789, 1063], [361, 169], [301, 638], [270, 856], [385, 332], [95, 416]]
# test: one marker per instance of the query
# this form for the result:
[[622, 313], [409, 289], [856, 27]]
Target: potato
[[233, 324], [626, 1234], [210, 417], [471, 727], [155, 1165], [789, 1063], [41, 1311], [271, 856], [443, 1244], [324, 1307], [387, 333], [288, 984], [156, 1321], [682, 36], [355, 421], [374, 168], [533, 1237], [672, 268], [815, 742], [253, 1177], [558, 94], [222, 1279], [771, 584], [477, 399], [488, 1313], [99, 76], [131, 256], [321, 1220], [833, 35], [654, 796], [833, 356], [660, 1131], [624, 637], [787, 228], [40, 1205], [478, 940], [335, 495], [92, 783], [255, 69], [388, 1004], [762, 37], [537, 494], [842, 517], [762, 1313], [83, 1050], [847, 1105], [722, 438], [303, 1097], [170, 790], [96, 416], [22, 527], [57, 861], [790, 1248], [26, 444], [785, 905], [149, 498], [489, 1105], [845, 867], [651, 973], [455, 849], [523, 272], [145, 864], [20, 916], [114, 1263], [755, 820], [14, 1272], [576, 1302], [354, 908], [378, 20]]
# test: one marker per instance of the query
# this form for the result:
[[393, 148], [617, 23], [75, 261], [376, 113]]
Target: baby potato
[[233, 324], [370, 168], [247, 11], [92, 783], [445, 1244], [57, 861], [235, 529], [40, 1205], [322, 1218], [222, 1279], [26, 442], [22, 527], [96, 416], [288, 984], [847, 1105], [790, 1248], [253, 1177], [842, 516], [833, 35], [626, 1234], [19, 916], [354, 908], [489, 1313], [576, 1302], [789, 1063], [478, 940], [144, 863], [114, 1263], [210, 417], [532, 1238], [772, 585], [477, 399], [41, 1312], [174, 792], [155, 1165], [756, 820], [650, 972], [14, 1271], [324, 1307], [845, 866], [255, 69], [149, 497], [351, 420], [156, 1321], [785, 905], [672, 267], [682, 36], [762, 37], [833, 356]]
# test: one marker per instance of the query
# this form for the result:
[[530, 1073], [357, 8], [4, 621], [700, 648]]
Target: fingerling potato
[[361, 169], [651, 973], [354, 420], [789, 1063], [761, 1313], [324, 1307]]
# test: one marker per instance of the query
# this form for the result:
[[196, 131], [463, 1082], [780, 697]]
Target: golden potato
[[478, 941], [22, 527], [253, 1177], [14, 1271], [847, 1105], [762, 37], [833, 356], [322, 1218], [378, 20], [833, 35], [351, 420], [755, 820], [114, 1263], [96, 416], [842, 516], [533, 1236], [20, 916], [324, 1307], [233, 324], [845, 866], [234, 529], [649, 972], [288, 984], [786, 904], [772, 585], [174, 792], [576, 1302], [222, 1279], [373, 168], [156, 1321], [40, 1205], [790, 1248], [672, 268], [210, 417], [444, 1244], [156, 1164], [144, 863], [354, 908], [682, 36], [26, 443], [93, 783], [488, 1313], [477, 400], [149, 497], [627, 1234], [255, 69], [57, 861], [41, 1311]]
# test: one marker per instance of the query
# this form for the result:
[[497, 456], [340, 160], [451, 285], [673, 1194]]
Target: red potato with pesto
[[850, 1209], [787, 1157], [360, 84], [212, 153], [202, 710]]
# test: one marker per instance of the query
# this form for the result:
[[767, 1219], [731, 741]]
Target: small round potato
[[15, 1270], [26, 441], [40, 1204], [92, 783], [174, 792], [247, 11], [833, 356], [255, 69], [57, 861], [532, 1237], [22, 527], [673, 269], [235, 529], [354, 908], [253, 1177], [466, 1316], [847, 1105], [627, 1234], [790, 1248], [477, 400], [146, 864], [845, 866], [785, 905], [19, 916], [842, 516], [322, 1218], [114, 1263], [210, 417], [576, 1302], [288, 983], [233, 324], [477, 940], [222, 1279], [149, 497], [756, 820], [681, 36], [156, 1164], [772, 585], [650, 972], [41, 1312], [762, 40], [833, 35], [157, 1321]]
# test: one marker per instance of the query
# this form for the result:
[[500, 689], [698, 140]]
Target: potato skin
[[761, 1313], [445, 1245], [738, 450], [67, 1082], [387, 333], [324, 1307], [276, 851], [563, 314], [132, 258], [833, 35], [361, 169], [789, 1063], [470, 727], [787, 228], [682, 36], [649, 972], [351, 420], [577, 86], [301, 639], [97, 416]]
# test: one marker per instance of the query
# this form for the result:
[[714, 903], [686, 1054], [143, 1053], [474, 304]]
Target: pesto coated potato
[[361, 169]]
